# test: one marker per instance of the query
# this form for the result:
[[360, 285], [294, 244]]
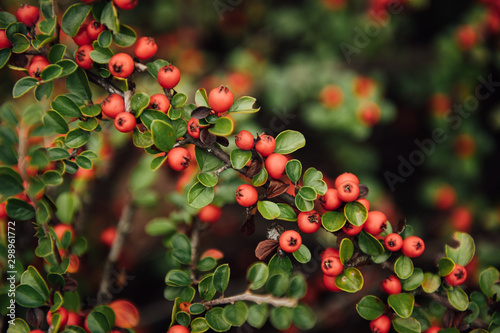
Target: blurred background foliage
[[364, 80]]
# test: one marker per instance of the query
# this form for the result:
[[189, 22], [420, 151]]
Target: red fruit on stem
[[178, 158], [121, 65], [309, 222], [290, 241], [330, 200], [244, 140], [391, 285], [28, 15], [178, 329], [193, 128], [210, 214], [64, 317], [347, 176], [329, 283], [113, 105], [457, 276], [380, 325], [125, 122], [375, 223], [108, 236], [246, 195], [330, 252], [169, 76], [94, 29], [332, 266], [4, 41], [82, 37], [348, 191], [125, 4], [159, 102], [126, 313], [413, 246], [220, 99], [265, 145], [351, 229], [82, 56], [275, 165], [145, 48], [393, 242]]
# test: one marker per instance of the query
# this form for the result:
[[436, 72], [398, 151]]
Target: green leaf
[[56, 53], [289, 141], [52, 178], [126, 37], [356, 213], [206, 161], [199, 196], [260, 178], [177, 278], [333, 221], [350, 280], [181, 249], [303, 317], [16, 27], [51, 72], [307, 193], [223, 126], [286, 213], [206, 288], [221, 278], [487, 279], [57, 154], [277, 285], [44, 90], [257, 315], [42, 40], [78, 84], [67, 203], [414, 281], [144, 140], [199, 325], [464, 252], [77, 138], [158, 161], [11, 182], [101, 319], [183, 318], [155, 66], [6, 19], [302, 204], [68, 66], [65, 107], [346, 250], [431, 282], [105, 38], [20, 42], [160, 226], [458, 298], [23, 85], [302, 255], [240, 157], [294, 170], [268, 209], [406, 325], [236, 314], [403, 267], [402, 304], [215, 319], [163, 135], [281, 317], [18, 209], [201, 98], [28, 297], [208, 179], [32, 277], [89, 124], [370, 307], [73, 18], [101, 55], [4, 56], [109, 17], [257, 275], [244, 104], [279, 265], [369, 244], [446, 266], [206, 264], [18, 325], [178, 100], [47, 26], [91, 111], [139, 102], [148, 116], [314, 178], [196, 308], [297, 287]]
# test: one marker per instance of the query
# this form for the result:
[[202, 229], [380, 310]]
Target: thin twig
[[256, 298], [195, 241], [104, 83], [122, 230]]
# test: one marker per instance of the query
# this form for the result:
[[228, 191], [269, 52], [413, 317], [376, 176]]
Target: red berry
[[194, 128], [413, 246], [309, 222], [113, 105], [94, 29], [376, 223], [74, 319], [393, 242], [332, 266], [178, 158], [391, 285], [169, 76], [329, 283], [61, 229], [348, 191], [246, 195], [365, 203], [28, 15], [220, 99], [433, 329], [121, 65], [330, 252], [265, 145], [330, 200], [108, 236], [4, 41], [125, 122], [178, 329], [82, 37], [380, 325], [159, 102], [346, 177], [36, 67], [290, 241], [210, 214], [457, 276], [145, 48], [275, 165], [351, 229], [244, 140], [64, 316], [82, 56], [125, 4]]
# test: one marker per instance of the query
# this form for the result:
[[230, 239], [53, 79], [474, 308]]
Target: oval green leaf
[[370, 307], [268, 209], [402, 304], [350, 280], [289, 141], [356, 213], [403, 267]]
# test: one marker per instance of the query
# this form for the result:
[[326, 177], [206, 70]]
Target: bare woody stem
[[195, 240], [122, 230], [104, 83], [256, 298]]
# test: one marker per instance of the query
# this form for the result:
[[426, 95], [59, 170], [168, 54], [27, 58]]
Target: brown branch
[[256, 298], [195, 241], [104, 83], [122, 230]]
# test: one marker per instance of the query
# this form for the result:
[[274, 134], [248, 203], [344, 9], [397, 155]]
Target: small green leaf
[[257, 275], [144, 140], [4, 56], [356, 213], [11, 182], [109, 17], [244, 104], [206, 288], [414, 281], [223, 126], [157, 162], [406, 325], [18, 209], [89, 124], [139, 102], [369, 244], [77, 138], [52, 178], [303, 317], [57, 154], [78, 84], [105, 38], [370, 307], [215, 319], [126, 37], [403, 267], [178, 100], [206, 161], [199, 195], [101, 319], [458, 298], [155, 66], [56, 53], [239, 158], [402, 304], [333, 221], [346, 250], [66, 107], [302, 204], [257, 315], [44, 90], [279, 265], [221, 278], [487, 279], [28, 297], [163, 135], [236, 314], [464, 252], [201, 98], [68, 67], [196, 308], [350, 280], [314, 178], [307, 193], [199, 325], [294, 170], [101, 55], [281, 317], [208, 179], [23, 85], [73, 18], [181, 249], [177, 278], [32, 277], [51, 72], [206, 264], [91, 111], [302, 255], [268, 209], [6, 19], [260, 178], [297, 287], [446, 266], [289, 141], [286, 213], [20, 42], [160, 226], [18, 325]]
